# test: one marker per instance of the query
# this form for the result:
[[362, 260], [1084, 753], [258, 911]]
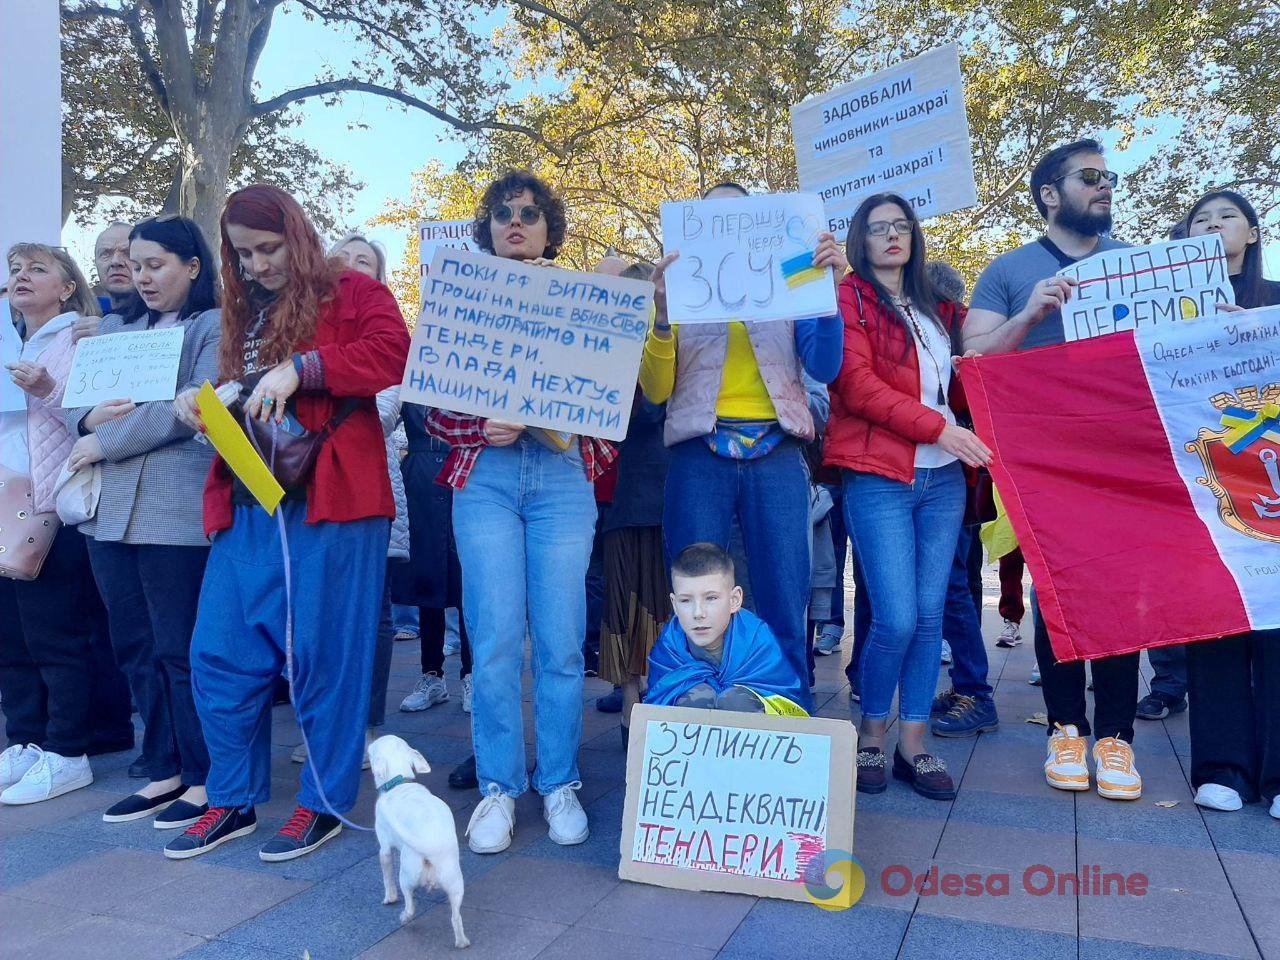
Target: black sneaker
[[463, 776], [180, 813], [215, 828], [136, 806], [301, 834], [1155, 706]]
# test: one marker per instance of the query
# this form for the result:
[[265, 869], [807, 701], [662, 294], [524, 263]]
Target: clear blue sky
[[393, 142]]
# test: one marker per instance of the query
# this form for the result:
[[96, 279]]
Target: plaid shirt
[[465, 434]]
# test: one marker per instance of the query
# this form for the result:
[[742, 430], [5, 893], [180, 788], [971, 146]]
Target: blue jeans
[[962, 625], [770, 497], [238, 650], [1169, 676], [905, 536], [523, 525], [404, 619]]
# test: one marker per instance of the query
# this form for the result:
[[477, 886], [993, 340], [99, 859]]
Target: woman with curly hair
[[524, 514], [310, 344]]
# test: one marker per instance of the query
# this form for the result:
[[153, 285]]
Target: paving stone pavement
[[72, 886]]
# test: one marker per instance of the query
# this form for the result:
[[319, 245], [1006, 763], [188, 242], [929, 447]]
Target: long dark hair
[[916, 285], [182, 238], [1250, 276]]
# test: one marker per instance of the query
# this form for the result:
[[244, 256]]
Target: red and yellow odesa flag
[[1141, 473]]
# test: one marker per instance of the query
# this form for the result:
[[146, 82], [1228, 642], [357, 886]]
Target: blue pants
[[905, 537], [962, 624], [523, 525], [1169, 666], [770, 497], [239, 649], [404, 618]]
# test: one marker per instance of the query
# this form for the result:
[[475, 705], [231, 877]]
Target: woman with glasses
[[308, 345], [50, 612], [524, 515], [146, 539], [894, 436], [1234, 683]]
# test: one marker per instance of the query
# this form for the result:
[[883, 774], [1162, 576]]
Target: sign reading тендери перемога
[[539, 346]]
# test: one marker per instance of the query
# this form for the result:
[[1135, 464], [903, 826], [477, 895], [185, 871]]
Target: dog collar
[[393, 783]]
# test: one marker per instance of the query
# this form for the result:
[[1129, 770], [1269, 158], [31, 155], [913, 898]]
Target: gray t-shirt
[[1006, 285]]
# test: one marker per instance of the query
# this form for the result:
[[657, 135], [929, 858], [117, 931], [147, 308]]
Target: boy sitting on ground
[[713, 654]]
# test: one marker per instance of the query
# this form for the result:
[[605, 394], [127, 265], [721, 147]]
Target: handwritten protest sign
[[902, 130], [139, 366], [540, 346], [440, 233], [746, 258], [736, 801], [1136, 287], [12, 396]]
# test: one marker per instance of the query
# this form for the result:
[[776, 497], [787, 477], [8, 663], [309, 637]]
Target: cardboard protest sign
[[440, 233], [746, 258], [902, 130], [12, 396], [540, 346], [1136, 287], [740, 802], [140, 365], [233, 445]]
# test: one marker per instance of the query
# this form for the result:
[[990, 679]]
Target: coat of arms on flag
[[1245, 481]]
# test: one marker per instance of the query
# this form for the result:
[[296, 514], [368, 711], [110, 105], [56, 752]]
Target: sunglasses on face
[[1092, 177], [881, 228], [529, 215]]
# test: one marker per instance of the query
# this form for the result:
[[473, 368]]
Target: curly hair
[[508, 185], [296, 310]]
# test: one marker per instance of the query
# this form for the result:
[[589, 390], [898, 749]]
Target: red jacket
[[363, 344], [877, 418]]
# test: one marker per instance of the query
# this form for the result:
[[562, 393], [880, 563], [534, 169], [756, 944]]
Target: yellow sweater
[[742, 396]]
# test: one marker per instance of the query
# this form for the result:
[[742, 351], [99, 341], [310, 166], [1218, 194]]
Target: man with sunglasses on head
[[1017, 305]]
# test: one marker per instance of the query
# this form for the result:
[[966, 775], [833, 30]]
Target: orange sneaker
[[1065, 767], [1118, 778]]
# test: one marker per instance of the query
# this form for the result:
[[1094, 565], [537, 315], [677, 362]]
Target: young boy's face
[[704, 605]]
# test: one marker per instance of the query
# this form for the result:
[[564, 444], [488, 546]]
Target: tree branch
[[360, 86]]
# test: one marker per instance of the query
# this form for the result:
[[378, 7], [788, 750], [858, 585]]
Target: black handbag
[[289, 449]]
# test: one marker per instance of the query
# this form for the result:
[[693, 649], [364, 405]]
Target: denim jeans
[[905, 536], [962, 625], [404, 619], [1169, 671], [770, 497], [523, 525]]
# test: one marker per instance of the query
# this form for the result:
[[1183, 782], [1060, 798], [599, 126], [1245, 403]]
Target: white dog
[[410, 818]]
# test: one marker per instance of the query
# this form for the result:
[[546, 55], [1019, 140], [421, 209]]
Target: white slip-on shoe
[[566, 820], [492, 824], [1214, 796], [50, 776], [1275, 807]]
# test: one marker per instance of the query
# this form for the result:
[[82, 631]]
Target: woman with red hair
[[309, 344]]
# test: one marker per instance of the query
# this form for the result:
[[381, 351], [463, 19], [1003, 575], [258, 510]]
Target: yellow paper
[[233, 446], [997, 535]]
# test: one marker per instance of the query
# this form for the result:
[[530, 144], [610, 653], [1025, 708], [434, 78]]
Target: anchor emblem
[[1269, 507]]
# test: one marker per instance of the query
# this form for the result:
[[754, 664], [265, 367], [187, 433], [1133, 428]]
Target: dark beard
[[1083, 222]]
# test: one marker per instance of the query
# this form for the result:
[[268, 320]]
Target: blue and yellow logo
[[845, 870]]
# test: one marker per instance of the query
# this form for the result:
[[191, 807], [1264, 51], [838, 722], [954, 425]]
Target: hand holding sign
[[747, 258], [137, 365]]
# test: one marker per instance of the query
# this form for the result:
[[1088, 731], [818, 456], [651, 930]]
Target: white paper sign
[[440, 233], [12, 396], [1137, 287], [902, 130], [139, 365], [746, 258], [540, 346]]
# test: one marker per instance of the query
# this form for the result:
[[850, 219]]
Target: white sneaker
[[1010, 636], [1065, 767], [427, 692], [1214, 796], [1118, 777], [566, 820], [16, 761], [1275, 807], [946, 652], [492, 823], [50, 776], [466, 693], [1034, 679]]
